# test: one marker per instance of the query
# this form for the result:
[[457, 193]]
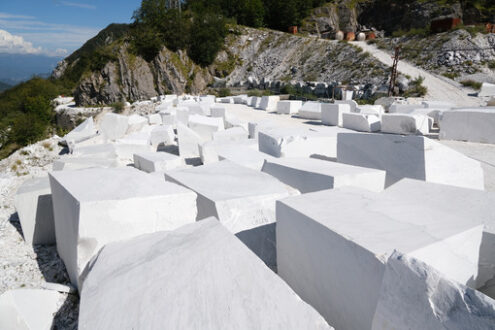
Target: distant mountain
[[4, 86], [15, 68]]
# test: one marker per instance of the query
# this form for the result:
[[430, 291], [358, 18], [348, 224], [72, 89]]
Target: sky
[[56, 27]]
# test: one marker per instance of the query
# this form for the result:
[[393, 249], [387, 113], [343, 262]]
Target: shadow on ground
[[16, 223]]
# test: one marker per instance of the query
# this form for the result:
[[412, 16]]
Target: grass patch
[[471, 84]]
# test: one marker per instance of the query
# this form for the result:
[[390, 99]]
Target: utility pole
[[393, 76]]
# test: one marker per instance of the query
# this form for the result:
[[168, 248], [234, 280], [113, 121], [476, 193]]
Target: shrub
[[118, 107], [472, 84], [224, 92], [416, 88]]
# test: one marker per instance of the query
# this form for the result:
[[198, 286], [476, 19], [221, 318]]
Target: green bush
[[224, 92], [209, 31], [472, 84], [118, 107], [416, 88]]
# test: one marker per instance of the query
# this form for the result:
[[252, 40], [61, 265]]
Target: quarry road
[[439, 88]]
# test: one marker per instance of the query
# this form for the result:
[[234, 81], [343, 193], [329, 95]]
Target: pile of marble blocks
[[473, 125], [242, 199], [197, 277], [93, 207], [333, 247], [414, 157], [310, 175]]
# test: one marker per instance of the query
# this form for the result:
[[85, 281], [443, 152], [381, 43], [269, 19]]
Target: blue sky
[[56, 27]]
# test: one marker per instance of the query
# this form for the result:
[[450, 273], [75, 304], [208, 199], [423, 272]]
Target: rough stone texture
[[414, 295], [473, 125], [197, 277]]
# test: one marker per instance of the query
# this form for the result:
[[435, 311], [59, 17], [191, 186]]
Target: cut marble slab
[[472, 125], [82, 132], [353, 104], [331, 114], [113, 126], [269, 103], [242, 199], [377, 110], [244, 156], [405, 124], [487, 89], [231, 134], [155, 119], [289, 107], [332, 247], [310, 175], [188, 141], [93, 207], [414, 157], [361, 122], [162, 134], [157, 161], [33, 203], [136, 123], [209, 151], [416, 296], [76, 163], [254, 127], [206, 126], [310, 110], [197, 277]]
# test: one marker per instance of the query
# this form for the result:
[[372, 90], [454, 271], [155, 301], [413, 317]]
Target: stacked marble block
[[93, 207], [333, 247]]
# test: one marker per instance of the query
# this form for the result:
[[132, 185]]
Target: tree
[[209, 31]]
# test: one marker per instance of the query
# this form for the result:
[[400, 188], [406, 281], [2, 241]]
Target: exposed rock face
[[331, 18]]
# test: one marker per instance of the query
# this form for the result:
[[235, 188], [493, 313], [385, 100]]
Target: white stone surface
[[29, 309], [298, 142], [404, 108], [269, 103], [244, 156], [162, 134], [76, 163], [309, 175], [83, 131], [114, 126], [396, 123], [206, 126], [241, 198], [188, 141], [218, 111], [254, 127], [231, 134], [332, 246], [227, 100], [136, 123], [197, 277], [255, 102], [353, 104], [377, 110], [209, 151], [182, 115], [240, 99], [476, 125], [414, 157], [93, 207], [361, 122], [331, 114], [437, 105], [106, 150], [155, 119], [289, 107], [416, 296], [310, 110], [487, 89], [157, 161], [33, 203]]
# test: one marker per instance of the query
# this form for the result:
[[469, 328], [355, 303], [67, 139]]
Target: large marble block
[[136, 123], [188, 141], [255, 102], [269, 103], [93, 207], [162, 134], [473, 125], [240, 99], [353, 104], [231, 134], [206, 126], [106, 150], [361, 122], [82, 132], [33, 203], [289, 107], [209, 151], [114, 126], [242, 199], [369, 109], [331, 114], [396, 123], [437, 105], [298, 142], [332, 247], [218, 112], [157, 161], [244, 156], [155, 119], [254, 127], [196, 277], [310, 110], [414, 157], [416, 296], [76, 163], [404, 108], [487, 89], [29, 309], [309, 174]]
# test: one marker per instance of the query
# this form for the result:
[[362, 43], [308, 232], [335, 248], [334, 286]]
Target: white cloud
[[77, 4], [16, 45]]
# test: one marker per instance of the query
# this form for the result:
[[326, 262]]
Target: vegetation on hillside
[[4, 86]]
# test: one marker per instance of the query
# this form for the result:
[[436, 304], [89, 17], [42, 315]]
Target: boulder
[[289, 107], [331, 114], [157, 161], [361, 122], [405, 124], [33, 203], [332, 247], [196, 277], [310, 110], [269, 103], [114, 126], [414, 157], [473, 125], [309, 174], [93, 207]]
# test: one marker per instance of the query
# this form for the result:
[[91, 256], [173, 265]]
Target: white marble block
[[368, 109], [353, 104], [414, 157], [244, 156], [332, 247], [188, 141], [416, 296], [254, 127], [182, 115], [298, 142], [437, 105], [231, 134], [218, 112], [331, 114], [476, 125], [155, 119], [136, 123], [289, 107], [227, 100], [209, 151], [361, 122], [114, 126], [93, 207], [33, 203], [157, 161], [162, 134], [309, 174], [269, 103], [205, 126], [255, 102], [487, 89], [82, 132], [404, 108], [310, 110], [70, 162], [29, 309], [241, 198], [196, 277], [405, 124], [240, 99]]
